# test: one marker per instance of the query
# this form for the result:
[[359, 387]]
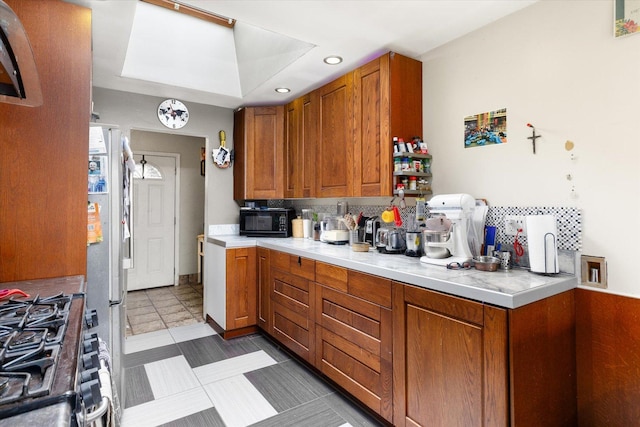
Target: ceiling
[[145, 49]]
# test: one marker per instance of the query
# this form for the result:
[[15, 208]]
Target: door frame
[[176, 203]]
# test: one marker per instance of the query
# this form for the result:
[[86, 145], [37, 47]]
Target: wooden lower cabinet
[[354, 343], [263, 273], [463, 363], [292, 306], [241, 288], [423, 358], [450, 361]]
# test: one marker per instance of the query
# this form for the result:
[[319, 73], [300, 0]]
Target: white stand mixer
[[459, 209]]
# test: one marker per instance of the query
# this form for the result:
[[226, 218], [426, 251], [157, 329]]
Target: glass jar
[[426, 165], [413, 183]]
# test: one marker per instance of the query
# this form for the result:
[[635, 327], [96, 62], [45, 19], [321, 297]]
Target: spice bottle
[[413, 182]]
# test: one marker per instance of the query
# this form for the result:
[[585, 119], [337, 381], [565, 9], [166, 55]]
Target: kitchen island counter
[[504, 288]]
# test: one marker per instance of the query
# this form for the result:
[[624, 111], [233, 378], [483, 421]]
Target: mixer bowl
[[435, 236]]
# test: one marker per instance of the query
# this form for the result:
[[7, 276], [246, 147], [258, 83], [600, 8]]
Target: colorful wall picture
[[485, 129], [626, 17]]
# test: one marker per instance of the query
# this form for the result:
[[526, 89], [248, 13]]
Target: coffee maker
[[458, 208], [371, 227]]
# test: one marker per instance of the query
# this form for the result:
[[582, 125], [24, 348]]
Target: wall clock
[[173, 113]]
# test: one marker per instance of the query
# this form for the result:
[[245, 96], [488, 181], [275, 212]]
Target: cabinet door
[[300, 147], [354, 340], [263, 272], [258, 136], [334, 173], [292, 302], [291, 142], [307, 145], [373, 147], [450, 361], [241, 288]]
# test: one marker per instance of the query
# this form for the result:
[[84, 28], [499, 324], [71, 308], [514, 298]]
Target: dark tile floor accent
[[300, 397]]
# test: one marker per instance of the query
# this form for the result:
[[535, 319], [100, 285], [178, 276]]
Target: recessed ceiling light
[[283, 90], [332, 60]]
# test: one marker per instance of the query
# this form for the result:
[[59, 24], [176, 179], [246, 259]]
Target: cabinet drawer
[[371, 288], [458, 308], [354, 347], [280, 260], [300, 266], [303, 267], [332, 276], [292, 303]]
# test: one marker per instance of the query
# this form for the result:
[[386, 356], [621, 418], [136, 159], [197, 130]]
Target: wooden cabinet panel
[[542, 344], [444, 369], [332, 276], [43, 209], [371, 288], [387, 102], [307, 147], [303, 267], [241, 288], [354, 340], [450, 360], [335, 139], [291, 141], [258, 134], [373, 147], [300, 146], [264, 299], [292, 303]]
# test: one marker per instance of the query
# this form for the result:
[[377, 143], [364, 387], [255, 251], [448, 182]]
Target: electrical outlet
[[513, 223]]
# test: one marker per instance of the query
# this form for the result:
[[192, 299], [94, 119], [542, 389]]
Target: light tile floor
[[189, 376], [155, 309]]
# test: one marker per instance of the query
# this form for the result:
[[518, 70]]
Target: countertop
[[504, 288]]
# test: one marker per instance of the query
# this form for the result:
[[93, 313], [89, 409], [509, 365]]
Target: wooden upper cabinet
[[387, 98], [258, 135], [360, 113], [334, 152], [291, 139], [301, 127], [333, 142]]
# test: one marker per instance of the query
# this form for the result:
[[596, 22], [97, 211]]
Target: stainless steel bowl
[[486, 263], [435, 236]]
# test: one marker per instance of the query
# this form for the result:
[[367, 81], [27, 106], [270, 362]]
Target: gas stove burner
[[13, 386], [13, 315], [39, 358], [27, 339]]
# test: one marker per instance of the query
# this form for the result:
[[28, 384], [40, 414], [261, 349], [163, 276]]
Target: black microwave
[[269, 222]]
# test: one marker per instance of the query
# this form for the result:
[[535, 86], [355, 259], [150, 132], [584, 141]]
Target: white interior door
[[154, 222]]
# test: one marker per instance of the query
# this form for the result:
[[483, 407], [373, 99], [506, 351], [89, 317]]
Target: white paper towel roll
[[542, 237]]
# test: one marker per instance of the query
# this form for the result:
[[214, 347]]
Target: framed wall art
[[485, 128], [626, 15]]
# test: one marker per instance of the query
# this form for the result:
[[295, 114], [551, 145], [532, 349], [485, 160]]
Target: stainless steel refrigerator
[[109, 177]]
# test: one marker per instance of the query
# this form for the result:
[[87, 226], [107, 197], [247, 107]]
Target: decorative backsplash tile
[[569, 220]]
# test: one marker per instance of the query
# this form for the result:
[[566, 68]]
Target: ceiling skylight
[[180, 50]]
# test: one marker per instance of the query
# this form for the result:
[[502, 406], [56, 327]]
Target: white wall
[[556, 65], [133, 111]]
